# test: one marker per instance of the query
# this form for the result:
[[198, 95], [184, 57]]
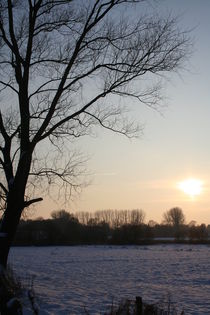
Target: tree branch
[[3, 130], [30, 202], [8, 85], [3, 188]]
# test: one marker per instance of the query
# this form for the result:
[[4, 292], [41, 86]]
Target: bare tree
[[137, 217], [61, 214], [174, 216], [60, 63]]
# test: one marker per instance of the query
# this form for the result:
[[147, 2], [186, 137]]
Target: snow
[[68, 280]]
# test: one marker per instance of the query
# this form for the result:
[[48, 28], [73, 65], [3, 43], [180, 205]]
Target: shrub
[[10, 292], [137, 307]]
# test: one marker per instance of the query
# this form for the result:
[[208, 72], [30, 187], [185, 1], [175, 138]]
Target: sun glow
[[192, 187]]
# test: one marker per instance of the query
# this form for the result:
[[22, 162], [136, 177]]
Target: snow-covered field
[[69, 279]]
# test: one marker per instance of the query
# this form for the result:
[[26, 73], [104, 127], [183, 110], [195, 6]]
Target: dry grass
[[137, 307]]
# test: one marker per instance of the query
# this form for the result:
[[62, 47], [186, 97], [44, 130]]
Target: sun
[[192, 187]]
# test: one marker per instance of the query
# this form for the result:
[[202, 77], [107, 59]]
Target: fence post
[[139, 306]]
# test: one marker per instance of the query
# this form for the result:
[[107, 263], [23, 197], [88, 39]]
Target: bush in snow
[[10, 293]]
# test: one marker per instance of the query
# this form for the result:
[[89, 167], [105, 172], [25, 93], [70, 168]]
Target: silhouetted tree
[[83, 216], [192, 223], [198, 232], [95, 232], [152, 223], [61, 214], [114, 218], [176, 218], [60, 61], [137, 217], [65, 229]]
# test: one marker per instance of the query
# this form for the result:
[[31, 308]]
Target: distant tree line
[[109, 227]]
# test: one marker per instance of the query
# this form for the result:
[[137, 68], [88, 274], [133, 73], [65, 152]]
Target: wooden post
[[139, 306]]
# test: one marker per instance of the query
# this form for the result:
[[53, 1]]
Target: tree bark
[[14, 207], [8, 228]]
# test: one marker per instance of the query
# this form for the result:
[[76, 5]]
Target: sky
[[144, 173]]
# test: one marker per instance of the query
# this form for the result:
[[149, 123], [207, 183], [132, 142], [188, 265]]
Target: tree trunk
[[14, 208], [8, 228], [9, 303]]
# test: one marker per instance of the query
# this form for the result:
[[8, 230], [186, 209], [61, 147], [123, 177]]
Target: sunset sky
[[145, 173]]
